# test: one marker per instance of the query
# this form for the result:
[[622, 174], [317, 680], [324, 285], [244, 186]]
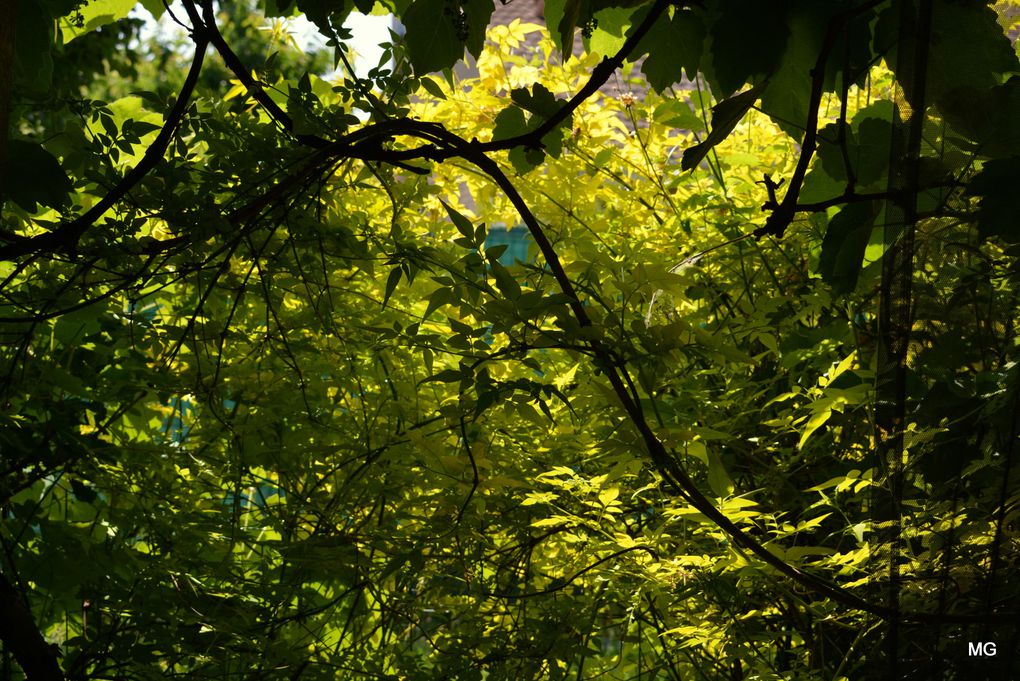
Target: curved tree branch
[[66, 237], [600, 74], [574, 577], [364, 143], [665, 460], [21, 636], [243, 74]]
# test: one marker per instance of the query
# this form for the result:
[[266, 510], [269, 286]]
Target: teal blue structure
[[516, 239]]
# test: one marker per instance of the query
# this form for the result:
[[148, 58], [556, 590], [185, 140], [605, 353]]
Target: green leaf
[[319, 12], [844, 244], [569, 20], [552, 143], [967, 47], [698, 450], [718, 479], [868, 139], [477, 14], [996, 185], [432, 40], [34, 176], [510, 122], [814, 422], [83, 492], [526, 159], [441, 296], [676, 113], [507, 285], [96, 14], [789, 94], [462, 224], [445, 376], [725, 116], [438, 31], [853, 49], [538, 101], [611, 25], [552, 11], [433, 88], [391, 284], [991, 117], [795, 554], [322, 552], [873, 132], [747, 40], [155, 7], [819, 185], [674, 46]]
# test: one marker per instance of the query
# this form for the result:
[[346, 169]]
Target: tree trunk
[[8, 35], [19, 634]]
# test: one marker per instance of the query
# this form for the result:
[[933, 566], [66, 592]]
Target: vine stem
[[783, 213]]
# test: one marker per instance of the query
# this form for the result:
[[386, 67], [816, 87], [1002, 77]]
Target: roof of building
[[526, 10]]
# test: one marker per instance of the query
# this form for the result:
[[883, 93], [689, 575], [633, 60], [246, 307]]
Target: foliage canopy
[[688, 351]]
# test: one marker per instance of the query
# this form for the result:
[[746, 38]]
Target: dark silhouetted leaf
[[844, 244], [747, 40], [996, 185], [33, 176], [674, 46], [725, 116]]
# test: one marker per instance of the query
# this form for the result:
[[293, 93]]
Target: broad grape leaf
[[438, 31], [873, 133], [995, 184], [510, 122], [674, 46], [477, 14], [787, 101], [155, 7], [746, 41], [553, 12], [990, 118], [95, 14], [526, 159], [849, 58], [611, 26], [967, 47], [320, 11], [844, 244], [431, 37], [539, 101], [33, 176], [868, 140]]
